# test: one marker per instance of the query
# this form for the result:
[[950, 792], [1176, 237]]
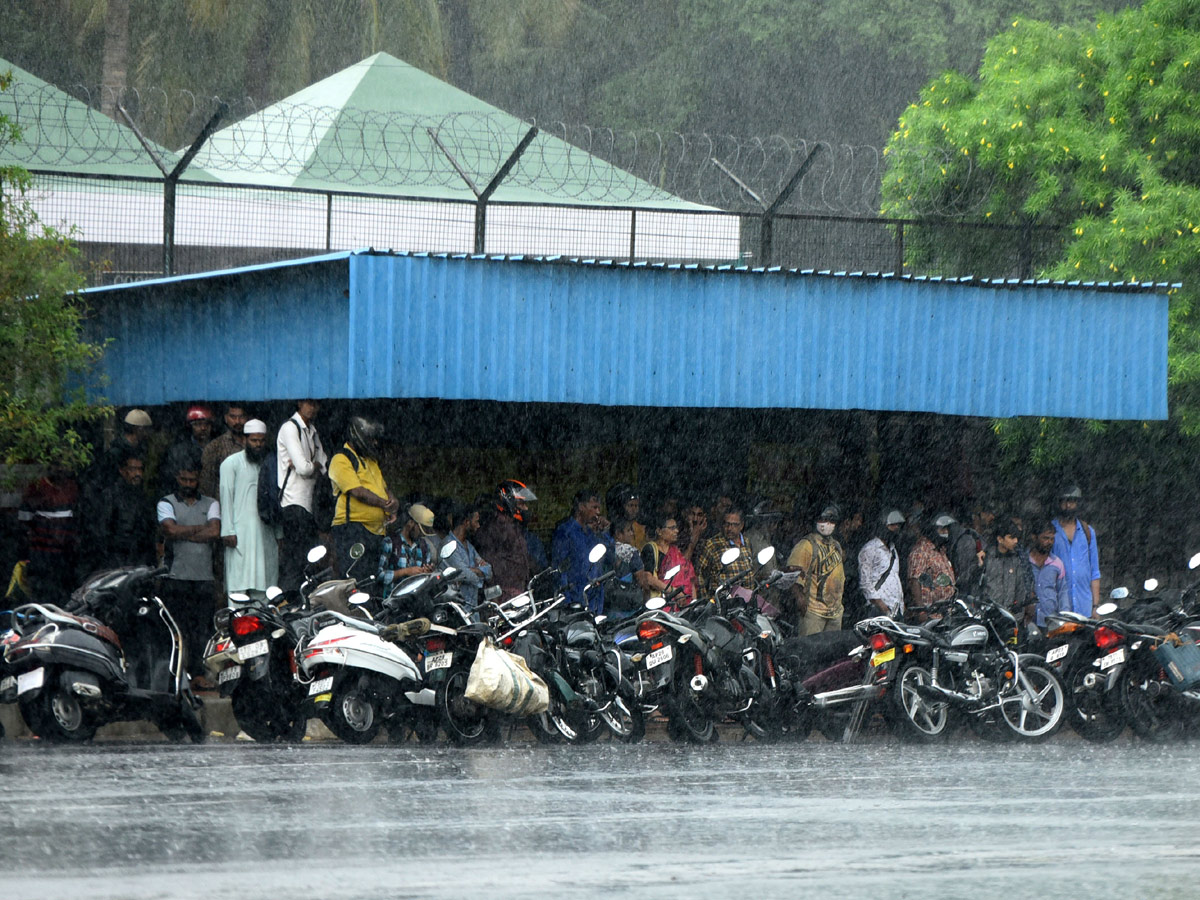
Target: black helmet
[[829, 513], [364, 436], [510, 491], [1071, 492]]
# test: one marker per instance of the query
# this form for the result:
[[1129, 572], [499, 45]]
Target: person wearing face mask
[[879, 566], [188, 524], [929, 557], [251, 547], [1075, 544], [819, 559]]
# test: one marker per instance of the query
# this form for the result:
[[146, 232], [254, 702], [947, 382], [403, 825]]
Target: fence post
[[329, 221], [482, 197], [171, 178], [900, 248], [632, 234]]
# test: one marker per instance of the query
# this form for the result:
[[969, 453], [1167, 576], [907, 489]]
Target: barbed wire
[[363, 148]]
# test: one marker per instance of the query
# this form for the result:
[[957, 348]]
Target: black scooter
[[113, 654]]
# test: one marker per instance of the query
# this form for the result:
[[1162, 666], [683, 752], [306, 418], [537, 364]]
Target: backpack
[[270, 491]]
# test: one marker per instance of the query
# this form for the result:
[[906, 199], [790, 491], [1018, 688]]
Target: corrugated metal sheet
[[618, 334]]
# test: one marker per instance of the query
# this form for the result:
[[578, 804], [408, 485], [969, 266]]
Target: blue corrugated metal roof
[[369, 324]]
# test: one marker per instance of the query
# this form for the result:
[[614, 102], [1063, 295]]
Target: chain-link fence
[[120, 226]]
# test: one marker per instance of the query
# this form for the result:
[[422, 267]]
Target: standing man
[[405, 550], [364, 504], [251, 547], [573, 540], [502, 539], [709, 571], [124, 532], [1075, 544], [476, 570], [1004, 570], [301, 459], [199, 423], [51, 534], [231, 441], [818, 558], [879, 566], [189, 523], [1049, 573]]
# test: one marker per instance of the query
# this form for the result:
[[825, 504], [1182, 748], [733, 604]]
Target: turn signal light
[[1064, 628], [1106, 638], [648, 631], [244, 625], [880, 642]]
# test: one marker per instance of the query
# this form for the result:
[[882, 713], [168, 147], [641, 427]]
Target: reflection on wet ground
[[654, 820]]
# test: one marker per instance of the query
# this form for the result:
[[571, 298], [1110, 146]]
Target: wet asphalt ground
[[325, 820]]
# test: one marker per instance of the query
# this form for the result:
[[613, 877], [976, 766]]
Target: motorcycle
[[113, 654], [1089, 655]]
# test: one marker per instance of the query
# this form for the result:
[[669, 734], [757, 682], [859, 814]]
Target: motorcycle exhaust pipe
[[699, 683]]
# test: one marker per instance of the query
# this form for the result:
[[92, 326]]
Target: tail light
[[507, 642], [648, 631], [244, 625], [1064, 628], [880, 641], [435, 645], [737, 626], [1106, 638], [292, 661]]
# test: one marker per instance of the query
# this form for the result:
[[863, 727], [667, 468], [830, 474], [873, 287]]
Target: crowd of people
[[238, 512]]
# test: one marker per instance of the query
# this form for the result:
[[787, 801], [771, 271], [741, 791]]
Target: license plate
[[232, 673], [438, 661], [658, 657], [30, 681], [1117, 656], [884, 656], [250, 651], [321, 686], [1057, 653]]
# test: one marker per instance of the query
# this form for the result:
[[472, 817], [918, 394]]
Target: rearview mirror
[[273, 592], [1194, 561], [358, 598], [1150, 584], [655, 603], [449, 548], [1119, 593], [671, 572], [239, 597], [1106, 609], [495, 592], [730, 555], [765, 555], [317, 553], [357, 550], [601, 618], [597, 553]]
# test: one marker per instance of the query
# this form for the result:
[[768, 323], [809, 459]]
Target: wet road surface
[[655, 820]]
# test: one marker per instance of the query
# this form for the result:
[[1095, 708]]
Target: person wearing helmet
[[188, 451], [929, 558], [818, 557], [502, 538], [1075, 544], [879, 566], [364, 504]]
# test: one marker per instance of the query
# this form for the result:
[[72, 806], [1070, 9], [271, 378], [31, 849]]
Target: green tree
[[1095, 128], [46, 366]]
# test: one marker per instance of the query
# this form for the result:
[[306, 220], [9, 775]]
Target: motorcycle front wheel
[[1039, 712], [466, 723], [624, 716]]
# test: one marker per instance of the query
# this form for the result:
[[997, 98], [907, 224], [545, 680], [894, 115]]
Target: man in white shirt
[[879, 566], [301, 460]]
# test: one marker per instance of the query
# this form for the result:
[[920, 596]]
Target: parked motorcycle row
[[407, 664]]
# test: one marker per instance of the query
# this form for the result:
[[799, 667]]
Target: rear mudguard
[[69, 650]]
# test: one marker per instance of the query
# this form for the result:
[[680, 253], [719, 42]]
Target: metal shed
[[378, 325]]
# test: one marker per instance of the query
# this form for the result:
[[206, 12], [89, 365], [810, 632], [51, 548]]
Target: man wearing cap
[[300, 460], [231, 441], [1075, 544], [818, 558], [879, 566], [251, 548], [405, 551]]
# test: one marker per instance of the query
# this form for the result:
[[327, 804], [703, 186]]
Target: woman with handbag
[[663, 553]]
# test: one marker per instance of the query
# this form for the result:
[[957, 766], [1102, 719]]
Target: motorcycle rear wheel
[[264, 718], [352, 714], [688, 719], [1040, 712], [465, 723], [624, 716], [913, 717], [1095, 714], [1154, 713], [56, 715]]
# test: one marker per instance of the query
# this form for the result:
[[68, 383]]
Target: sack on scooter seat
[[1182, 663], [502, 681], [765, 606]]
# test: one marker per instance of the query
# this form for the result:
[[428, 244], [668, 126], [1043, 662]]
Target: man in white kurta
[[251, 548]]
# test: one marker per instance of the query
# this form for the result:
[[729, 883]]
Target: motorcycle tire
[[352, 715], [624, 716], [1154, 713], [690, 721], [261, 716], [182, 725], [1043, 702], [1094, 714], [465, 723], [913, 717], [56, 715]]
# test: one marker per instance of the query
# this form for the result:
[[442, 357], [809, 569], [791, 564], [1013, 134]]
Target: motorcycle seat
[[98, 628]]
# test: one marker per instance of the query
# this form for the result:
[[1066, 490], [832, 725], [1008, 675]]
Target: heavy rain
[[589, 446]]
